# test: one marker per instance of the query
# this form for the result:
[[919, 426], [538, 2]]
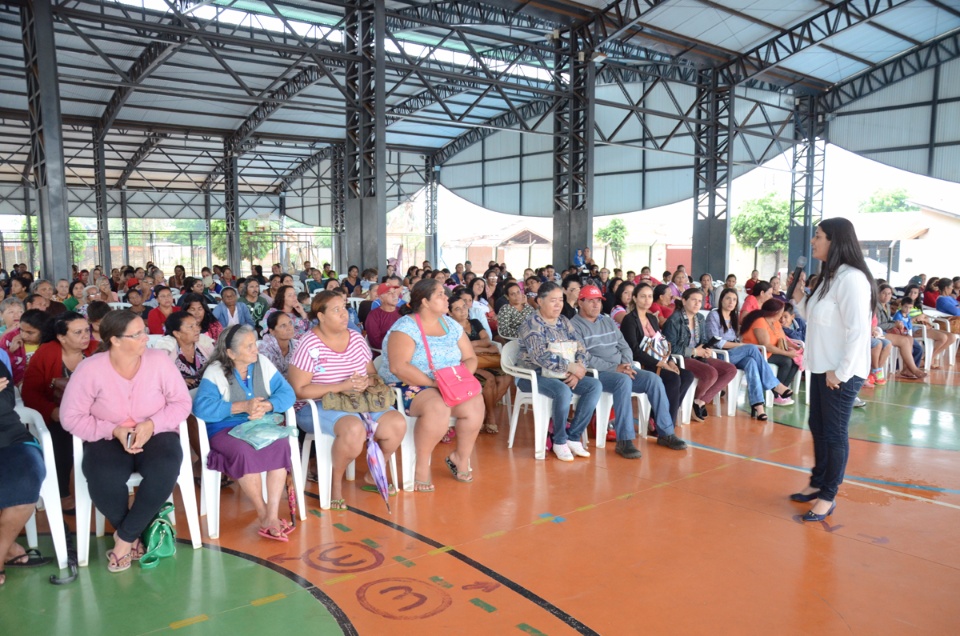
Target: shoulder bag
[[159, 539], [456, 384]]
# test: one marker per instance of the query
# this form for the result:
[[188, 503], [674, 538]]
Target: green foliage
[[253, 245], [615, 236], [78, 237], [766, 218], [894, 200]]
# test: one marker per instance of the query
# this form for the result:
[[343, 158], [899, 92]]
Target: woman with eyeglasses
[[126, 403], [61, 350]]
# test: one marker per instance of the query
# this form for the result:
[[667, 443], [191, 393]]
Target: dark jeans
[[589, 390], [829, 420], [62, 455], [107, 467], [676, 387], [786, 368]]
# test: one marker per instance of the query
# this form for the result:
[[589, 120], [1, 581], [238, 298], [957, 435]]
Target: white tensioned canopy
[[469, 86]]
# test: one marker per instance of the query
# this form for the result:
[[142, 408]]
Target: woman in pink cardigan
[[127, 403]]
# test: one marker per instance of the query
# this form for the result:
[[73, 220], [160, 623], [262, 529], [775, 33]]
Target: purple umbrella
[[375, 461]]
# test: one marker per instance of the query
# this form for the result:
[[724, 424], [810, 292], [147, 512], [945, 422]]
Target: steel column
[[806, 197], [365, 153], [711, 228], [27, 211], [43, 99], [338, 205], [573, 142], [124, 228], [207, 215], [100, 180], [432, 174], [231, 205]]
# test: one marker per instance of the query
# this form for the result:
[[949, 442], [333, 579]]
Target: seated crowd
[[223, 351]]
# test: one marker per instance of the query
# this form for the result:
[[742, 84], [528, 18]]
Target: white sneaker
[[562, 452], [577, 448]]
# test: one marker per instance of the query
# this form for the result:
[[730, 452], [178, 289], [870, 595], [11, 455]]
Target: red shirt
[[155, 320]]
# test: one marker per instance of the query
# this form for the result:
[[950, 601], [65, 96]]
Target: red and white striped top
[[329, 366]]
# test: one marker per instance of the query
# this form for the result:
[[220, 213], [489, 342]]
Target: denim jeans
[[759, 375], [829, 421], [621, 386], [589, 390]]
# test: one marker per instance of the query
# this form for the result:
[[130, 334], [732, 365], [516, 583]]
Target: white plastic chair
[[85, 504], [943, 325], [119, 305], [152, 340], [733, 389], [542, 405], [49, 489], [210, 479], [605, 404], [408, 446], [686, 405], [297, 286], [324, 455]]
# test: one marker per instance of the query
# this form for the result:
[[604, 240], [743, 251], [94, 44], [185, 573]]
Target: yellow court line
[[189, 621], [268, 599], [339, 579], [446, 548]]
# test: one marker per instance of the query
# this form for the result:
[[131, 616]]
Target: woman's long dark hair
[[844, 250], [769, 309], [734, 315], [208, 318], [760, 287]]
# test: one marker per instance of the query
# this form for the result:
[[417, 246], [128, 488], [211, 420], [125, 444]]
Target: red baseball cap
[[589, 291], [385, 287]]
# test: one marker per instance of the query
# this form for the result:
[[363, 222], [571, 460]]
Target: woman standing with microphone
[[838, 313]]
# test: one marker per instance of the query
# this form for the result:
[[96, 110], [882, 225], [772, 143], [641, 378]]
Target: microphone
[[801, 263]]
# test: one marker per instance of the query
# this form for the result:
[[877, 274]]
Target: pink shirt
[[329, 366], [97, 399]]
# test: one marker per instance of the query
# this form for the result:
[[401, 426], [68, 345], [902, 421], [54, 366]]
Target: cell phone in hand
[[130, 437]]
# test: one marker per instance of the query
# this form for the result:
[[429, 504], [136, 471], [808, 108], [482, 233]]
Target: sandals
[[268, 533], [34, 559], [466, 477], [491, 429], [286, 527], [118, 564], [449, 436], [423, 486], [137, 550], [391, 490], [757, 416], [338, 505]]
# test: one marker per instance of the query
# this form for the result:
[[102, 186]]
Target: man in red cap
[[609, 353], [380, 319]]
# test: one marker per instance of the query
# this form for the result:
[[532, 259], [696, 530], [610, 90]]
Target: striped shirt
[[329, 366]]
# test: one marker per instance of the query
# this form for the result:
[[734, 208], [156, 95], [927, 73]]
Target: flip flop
[[392, 490], [286, 527], [34, 559], [461, 477], [266, 534]]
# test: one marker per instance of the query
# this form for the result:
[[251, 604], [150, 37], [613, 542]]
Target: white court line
[[851, 482]]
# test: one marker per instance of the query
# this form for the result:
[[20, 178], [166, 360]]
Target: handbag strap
[[426, 346]]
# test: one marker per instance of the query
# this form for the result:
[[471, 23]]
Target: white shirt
[[234, 318], [838, 326]]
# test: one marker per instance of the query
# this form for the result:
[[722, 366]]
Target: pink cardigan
[[97, 399]]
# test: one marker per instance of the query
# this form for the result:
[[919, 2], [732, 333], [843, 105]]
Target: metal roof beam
[[801, 36], [324, 153], [901, 67], [536, 108], [148, 146]]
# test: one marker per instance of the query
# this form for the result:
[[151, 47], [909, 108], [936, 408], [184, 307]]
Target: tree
[[894, 200], [615, 236], [78, 237], [253, 245], [766, 218]]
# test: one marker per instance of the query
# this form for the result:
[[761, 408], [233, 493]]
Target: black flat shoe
[[757, 416], [799, 497]]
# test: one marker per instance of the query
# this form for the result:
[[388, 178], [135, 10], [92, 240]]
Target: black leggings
[[108, 466], [62, 455], [676, 387], [786, 368]]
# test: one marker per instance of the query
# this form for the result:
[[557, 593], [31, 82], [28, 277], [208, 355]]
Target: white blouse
[[839, 326]]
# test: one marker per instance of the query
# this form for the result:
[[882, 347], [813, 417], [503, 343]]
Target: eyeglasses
[[135, 336]]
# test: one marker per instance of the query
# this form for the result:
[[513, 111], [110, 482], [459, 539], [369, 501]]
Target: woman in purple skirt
[[238, 385]]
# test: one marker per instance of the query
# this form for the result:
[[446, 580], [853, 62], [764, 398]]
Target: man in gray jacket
[[608, 353]]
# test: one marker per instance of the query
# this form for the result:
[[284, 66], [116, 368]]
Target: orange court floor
[[702, 541]]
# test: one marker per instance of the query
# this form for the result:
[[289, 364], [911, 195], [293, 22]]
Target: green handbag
[[160, 538]]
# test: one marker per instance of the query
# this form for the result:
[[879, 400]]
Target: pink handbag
[[456, 384]]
